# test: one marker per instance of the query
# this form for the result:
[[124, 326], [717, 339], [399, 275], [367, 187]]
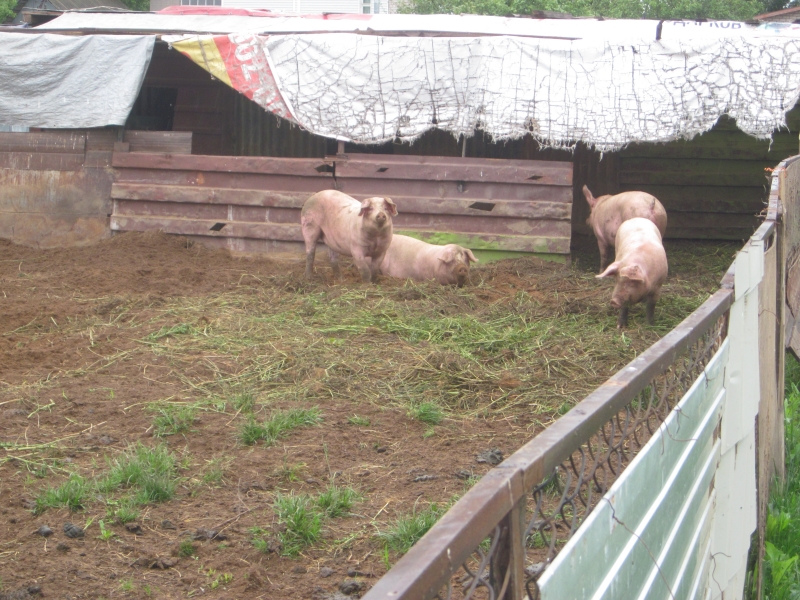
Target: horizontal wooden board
[[703, 220], [139, 208], [95, 158], [50, 161], [43, 142], [480, 225], [263, 231], [236, 181], [667, 171], [475, 191], [551, 245], [453, 169], [171, 142], [251, 197], [306, 167], [717, 233]]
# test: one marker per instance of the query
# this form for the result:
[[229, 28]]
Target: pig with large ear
[[609, 212], [640, 268], [409, 258], [362, 230]]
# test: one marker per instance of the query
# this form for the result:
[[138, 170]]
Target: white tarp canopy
[[60, 81], [370, 89]]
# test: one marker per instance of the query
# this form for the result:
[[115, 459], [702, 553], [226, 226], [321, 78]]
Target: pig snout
[[461, 271], [617, 302], [380, 219]]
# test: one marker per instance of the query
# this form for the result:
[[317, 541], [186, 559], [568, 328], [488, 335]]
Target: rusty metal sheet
[[232, 164], [171, 142]]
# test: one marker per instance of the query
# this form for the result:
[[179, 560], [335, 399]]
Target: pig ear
[[589, 198], [612, 269], [390, 206], [447, 256], [470, 255], [366, 206], [633, 272]]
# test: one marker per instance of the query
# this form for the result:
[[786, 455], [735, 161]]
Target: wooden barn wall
[[713, 186]]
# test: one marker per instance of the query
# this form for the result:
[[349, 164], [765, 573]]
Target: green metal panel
[[654, 513]]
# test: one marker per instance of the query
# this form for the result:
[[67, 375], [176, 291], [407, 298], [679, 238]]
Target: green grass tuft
[[303, 524], [186, 548], [337, 501], [71, 494], [407, 530], [173, 419], [149, 472], [427, 412], [279, 425], [359, 421], [782, 556]]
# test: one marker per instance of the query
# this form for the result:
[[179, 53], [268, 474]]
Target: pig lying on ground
[[362, 230], [640, 267], [411, 258], [609, 212]]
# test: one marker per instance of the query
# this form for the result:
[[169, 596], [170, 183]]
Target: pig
[[640, 267], [608, 213], [414, 259], [362, 230]]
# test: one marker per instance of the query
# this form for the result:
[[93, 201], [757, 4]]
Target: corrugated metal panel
[[649, 536]]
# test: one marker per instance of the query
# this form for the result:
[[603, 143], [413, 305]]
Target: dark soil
[[82, 362]]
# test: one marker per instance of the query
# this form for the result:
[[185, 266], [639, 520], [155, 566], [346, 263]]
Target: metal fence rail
[[499, 538]]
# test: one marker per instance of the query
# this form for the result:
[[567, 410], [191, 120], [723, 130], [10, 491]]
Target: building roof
[[786, 12]]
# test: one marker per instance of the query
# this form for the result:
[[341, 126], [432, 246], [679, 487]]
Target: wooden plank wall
[[713, 186], [492, 206], [253, 204]]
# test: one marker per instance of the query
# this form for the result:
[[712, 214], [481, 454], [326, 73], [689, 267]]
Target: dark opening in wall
[[154, 109]]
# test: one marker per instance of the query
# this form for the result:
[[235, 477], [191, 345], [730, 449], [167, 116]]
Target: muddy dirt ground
[[149, 339]]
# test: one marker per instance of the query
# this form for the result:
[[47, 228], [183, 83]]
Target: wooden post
[[509, 556]]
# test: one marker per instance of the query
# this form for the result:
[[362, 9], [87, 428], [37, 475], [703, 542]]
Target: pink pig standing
[[409, 258], [640, 267], [609, 212], [362, 230]]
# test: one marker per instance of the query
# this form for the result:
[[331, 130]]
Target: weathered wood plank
[[51, 161], [710, 220], [171, 142], [668, 171], [450, 169], [213, 228], [481, 226], [223, 180], [442, 206], [723, 144], [37, 142], [691, 233], [303, 167], [703, 198], [471, 190]]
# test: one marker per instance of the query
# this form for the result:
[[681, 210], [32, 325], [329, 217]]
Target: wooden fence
[[651, 486], [250, 204]]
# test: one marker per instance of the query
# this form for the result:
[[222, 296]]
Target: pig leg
[[651, 310], [601, 244], [375, 267], [311, 235], [622, 321], [334, 258], [363, 266]]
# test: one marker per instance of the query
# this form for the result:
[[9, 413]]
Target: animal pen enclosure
[[664, 471]]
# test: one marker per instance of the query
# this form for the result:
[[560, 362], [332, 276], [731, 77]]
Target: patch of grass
[[782, 540], [71, 494], [126, 585], [259, 539], [279, 425], [337, 501], [173, 419], [302, 523], [150, 472], [179, 329], [360, 421], [105, 534], [214, 471], [427, 412], [290, 473], [243, 402], [186, 549], [408, 529]]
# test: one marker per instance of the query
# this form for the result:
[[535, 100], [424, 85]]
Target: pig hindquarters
[[640, 267], [362, 230], [411, 258], [609, 212]]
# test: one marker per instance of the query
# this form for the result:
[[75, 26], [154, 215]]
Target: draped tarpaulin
[[60, 81], [371, 89]]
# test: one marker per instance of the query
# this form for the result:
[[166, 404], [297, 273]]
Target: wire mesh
[[559, 504]]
